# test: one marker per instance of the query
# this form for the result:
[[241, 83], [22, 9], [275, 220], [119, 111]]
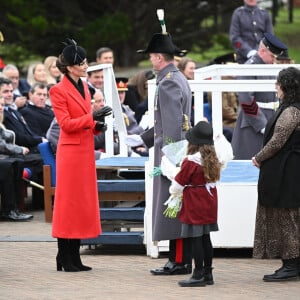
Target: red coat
[[76, 205], [199, 207]]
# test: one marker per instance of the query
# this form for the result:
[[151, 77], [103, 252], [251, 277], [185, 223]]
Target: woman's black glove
[[101, 126], [100, 114]]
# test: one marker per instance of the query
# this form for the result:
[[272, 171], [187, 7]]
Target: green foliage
[[18, 55], [289, 32], [125, 26], [36, 28], [286, 31], [106, 30], [39, 24]]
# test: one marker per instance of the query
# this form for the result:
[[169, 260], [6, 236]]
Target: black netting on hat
[[73, 54]]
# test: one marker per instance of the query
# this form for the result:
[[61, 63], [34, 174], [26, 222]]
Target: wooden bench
[[109, 190], [121, 189], [49, 191]]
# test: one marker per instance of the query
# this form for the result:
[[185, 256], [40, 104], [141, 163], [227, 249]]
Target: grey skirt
[[189, 230]]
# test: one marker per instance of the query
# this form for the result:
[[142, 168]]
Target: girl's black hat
[[200, 134]]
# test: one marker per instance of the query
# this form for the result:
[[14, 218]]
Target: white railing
[[112, 99], [209, 79]]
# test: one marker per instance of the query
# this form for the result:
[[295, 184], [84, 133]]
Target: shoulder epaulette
[[169, 75]]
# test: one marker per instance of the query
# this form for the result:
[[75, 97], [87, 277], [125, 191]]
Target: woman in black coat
[[277, 232]]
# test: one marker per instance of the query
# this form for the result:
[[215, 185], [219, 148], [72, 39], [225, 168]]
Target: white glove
[[223, 150], [133, 140], [262, 131], [167, 168], [144, 123], [251, 53]]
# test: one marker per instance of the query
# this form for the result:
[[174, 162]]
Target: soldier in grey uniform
[[248, 24], [172, 108], [256, 108]]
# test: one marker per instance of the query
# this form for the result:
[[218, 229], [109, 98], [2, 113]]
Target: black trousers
[[11, 183], [180, 251]]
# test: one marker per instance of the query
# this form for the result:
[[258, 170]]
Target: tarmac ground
[[28, 271]]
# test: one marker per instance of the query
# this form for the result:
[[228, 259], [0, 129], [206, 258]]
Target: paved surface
[[27, 271]]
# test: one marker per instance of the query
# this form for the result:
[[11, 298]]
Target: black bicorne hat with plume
[[161, 42]]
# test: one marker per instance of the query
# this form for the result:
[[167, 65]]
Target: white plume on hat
[[161, 14]]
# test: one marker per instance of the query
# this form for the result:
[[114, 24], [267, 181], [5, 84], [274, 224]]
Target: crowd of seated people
[[28, 113], [25, 119]]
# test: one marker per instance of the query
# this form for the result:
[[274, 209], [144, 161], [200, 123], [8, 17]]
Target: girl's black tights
[[202, 251]]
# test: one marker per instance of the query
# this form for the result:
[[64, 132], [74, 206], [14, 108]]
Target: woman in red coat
[[76, 206]]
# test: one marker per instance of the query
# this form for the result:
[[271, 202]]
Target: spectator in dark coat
[[37, 114]]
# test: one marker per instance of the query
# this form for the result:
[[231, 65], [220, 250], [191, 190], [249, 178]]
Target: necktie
[[20, 119], [11, 111]]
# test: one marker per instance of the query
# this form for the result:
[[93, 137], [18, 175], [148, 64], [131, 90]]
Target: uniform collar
[[163, 72], [250, 8]]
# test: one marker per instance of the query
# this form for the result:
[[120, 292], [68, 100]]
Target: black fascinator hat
[[73, 54]]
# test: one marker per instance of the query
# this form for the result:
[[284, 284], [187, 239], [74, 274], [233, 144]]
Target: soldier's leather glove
[[100, 114], [101, 126]]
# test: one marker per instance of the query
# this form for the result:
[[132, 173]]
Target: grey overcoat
[[172, 108], [247, 28]]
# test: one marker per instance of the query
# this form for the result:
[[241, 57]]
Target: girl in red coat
[[196, 181], [76, 206]]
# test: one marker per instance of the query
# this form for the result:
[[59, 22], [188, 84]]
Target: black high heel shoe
[[66, 265], [82, 267], [75, 255], [63, 258]]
